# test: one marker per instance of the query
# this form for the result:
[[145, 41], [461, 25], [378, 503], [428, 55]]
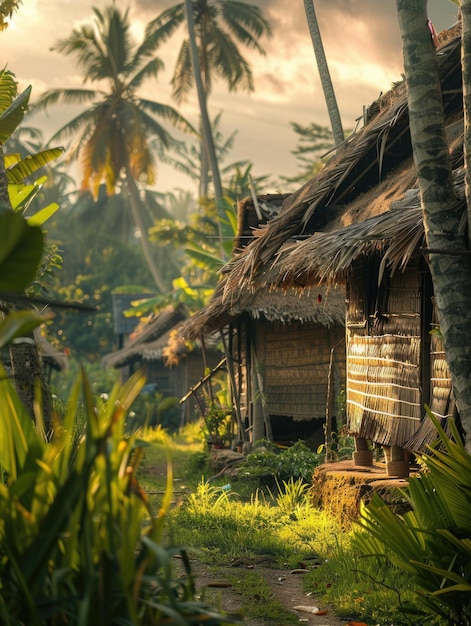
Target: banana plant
[[22, 186]]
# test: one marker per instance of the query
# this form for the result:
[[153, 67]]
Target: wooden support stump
[[362, 456], [398, 464]]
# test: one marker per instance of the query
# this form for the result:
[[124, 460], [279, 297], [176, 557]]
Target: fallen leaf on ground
[[307, 609]]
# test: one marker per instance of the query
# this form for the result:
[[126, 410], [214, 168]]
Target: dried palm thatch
[[397, 234], [149, 340], [368, 160], [252, 213], [323, 305]]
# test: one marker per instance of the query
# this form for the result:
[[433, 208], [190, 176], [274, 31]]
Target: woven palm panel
[[441, 402], [300, 402], [296, 364], [383, 387]]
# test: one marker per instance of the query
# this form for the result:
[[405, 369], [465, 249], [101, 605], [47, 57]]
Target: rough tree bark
[[324, 74]]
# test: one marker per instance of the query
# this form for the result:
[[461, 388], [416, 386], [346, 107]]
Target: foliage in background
[[431, 542], [314, 141], [153, 409], [7, 8], [218, 28], [113, 135]]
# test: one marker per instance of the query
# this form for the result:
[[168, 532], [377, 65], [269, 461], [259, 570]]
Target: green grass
[[259, 601], [279, 525], [361, 587]]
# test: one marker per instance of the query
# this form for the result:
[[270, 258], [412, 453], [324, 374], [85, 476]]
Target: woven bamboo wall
[[296, 359], [384, 402]]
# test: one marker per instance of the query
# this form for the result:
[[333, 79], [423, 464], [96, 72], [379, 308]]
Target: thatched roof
[[366, 198], [149, 340], [322, 305], [251, 215], [326, 257], [371, 174]]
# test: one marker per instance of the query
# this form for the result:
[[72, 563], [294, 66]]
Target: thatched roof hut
[[359, 223], [168, 363], [148, 341], [286, 346], [370, 174]]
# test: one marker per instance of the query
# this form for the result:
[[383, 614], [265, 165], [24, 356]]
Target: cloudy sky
[[361, 40]]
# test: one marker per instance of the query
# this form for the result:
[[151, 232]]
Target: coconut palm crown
[[220, 25], [112, 136]]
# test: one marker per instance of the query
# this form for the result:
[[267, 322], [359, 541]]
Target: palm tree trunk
[[136, 213], [466, 69], [206, 125], [324, 73], [204, 166], [449, 257]]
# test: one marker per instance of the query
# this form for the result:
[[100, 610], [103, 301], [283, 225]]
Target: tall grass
[[230, 528]]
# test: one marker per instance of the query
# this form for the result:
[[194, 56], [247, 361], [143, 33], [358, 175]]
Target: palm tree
[[113, 135], [220, 25], [324, 73]]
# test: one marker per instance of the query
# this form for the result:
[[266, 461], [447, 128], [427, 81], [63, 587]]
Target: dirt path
[[217, 585]]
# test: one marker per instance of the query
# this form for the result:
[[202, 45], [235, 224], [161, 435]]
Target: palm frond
[[153, 128], [150, 70], [228, 63], [65, 96], [246, 23], [183, 79], [12, 116], [85, 45], [84, 121], [116, 38], [247, 15], [26, 167], [169, 114], [8, 89], [160, 30]]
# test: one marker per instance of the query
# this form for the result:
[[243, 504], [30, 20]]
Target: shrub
[[298, 461]]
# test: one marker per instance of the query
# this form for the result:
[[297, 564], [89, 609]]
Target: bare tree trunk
[[324, 73], [450, 260], [137, 217], [205, 122]]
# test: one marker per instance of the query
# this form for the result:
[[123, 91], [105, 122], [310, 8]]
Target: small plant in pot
[[218, 425]]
